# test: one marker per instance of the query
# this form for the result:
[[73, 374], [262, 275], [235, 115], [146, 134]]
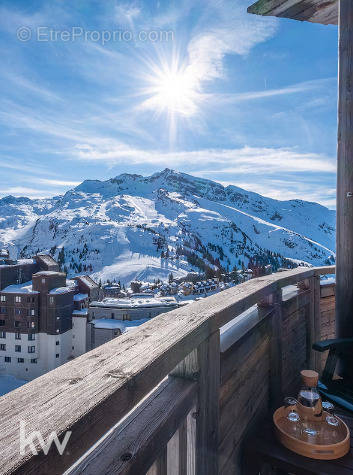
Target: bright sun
[[173, 89]]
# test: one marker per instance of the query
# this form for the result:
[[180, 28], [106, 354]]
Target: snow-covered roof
[[61, 290], [18, 262], [328, 280], [122, 325], [86, 279], [79, 297], [25, 288], [48, 272], [81, 313], [135, 302]]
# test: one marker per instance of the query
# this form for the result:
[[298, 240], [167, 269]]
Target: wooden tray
[[330, 443]]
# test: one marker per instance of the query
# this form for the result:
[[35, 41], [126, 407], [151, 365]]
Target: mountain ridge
[[132, 226]]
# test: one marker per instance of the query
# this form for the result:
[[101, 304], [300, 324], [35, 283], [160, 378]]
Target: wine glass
[[291, 402], [330, 419]]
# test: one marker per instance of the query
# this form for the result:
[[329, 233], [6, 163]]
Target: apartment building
[[43, 316]]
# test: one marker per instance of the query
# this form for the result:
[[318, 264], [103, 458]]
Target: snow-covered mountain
[[132, 227]]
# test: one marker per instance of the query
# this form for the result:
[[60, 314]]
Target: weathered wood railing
[[176, 395]]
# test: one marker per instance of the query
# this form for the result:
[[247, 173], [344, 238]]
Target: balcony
[[179, 394]]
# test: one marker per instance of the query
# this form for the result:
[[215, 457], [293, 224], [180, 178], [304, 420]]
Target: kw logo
[[45, 445]]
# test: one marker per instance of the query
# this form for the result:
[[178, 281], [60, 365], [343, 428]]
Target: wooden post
[[161, 463], [314, 322], [276, 355], [207, 426], [203, 365], [183, 448], [344, 267]]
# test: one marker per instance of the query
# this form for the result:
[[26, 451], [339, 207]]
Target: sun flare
[[174, 90]]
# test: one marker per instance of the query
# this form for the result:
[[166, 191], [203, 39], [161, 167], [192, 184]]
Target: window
[[18, 311], [17, 336], [18, 348], [20, 360], [51, 300], [31, 336], [2, 309], [2, 347], [57, 355], [31, 349], [34, 360], [18, 299], [17, 323], [43, 281], [73, 347], [7, 359], [57, 343], [33, 312], [2, 323], [28, 299], [3, 298], [113, 315], [2, 334]]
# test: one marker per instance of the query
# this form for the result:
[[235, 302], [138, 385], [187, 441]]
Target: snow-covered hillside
[[132, 227]]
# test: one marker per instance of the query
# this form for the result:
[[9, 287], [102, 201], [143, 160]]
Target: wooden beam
[[315, 11], [161, 464], [314, 322], [183, 448], [134, 445], [344, 273], [207, 426], [276, 382]]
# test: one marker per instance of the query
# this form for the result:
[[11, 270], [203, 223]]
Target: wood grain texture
[[314, 330], [276, 373], [142, 438], [207, 426], [316, 11], [344, 256], [183, 448], [161, 464]]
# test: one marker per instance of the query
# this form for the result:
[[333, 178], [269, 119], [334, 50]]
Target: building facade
[[43, 316], [139, 306]]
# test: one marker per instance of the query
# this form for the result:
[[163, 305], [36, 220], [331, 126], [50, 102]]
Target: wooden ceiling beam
[[316, 11]]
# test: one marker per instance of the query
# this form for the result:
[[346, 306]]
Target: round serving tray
[[330, 443]]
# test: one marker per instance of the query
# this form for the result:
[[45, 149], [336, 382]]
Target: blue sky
[[97, 88]]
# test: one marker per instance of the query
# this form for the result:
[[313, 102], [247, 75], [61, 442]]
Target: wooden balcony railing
[[178, 394]]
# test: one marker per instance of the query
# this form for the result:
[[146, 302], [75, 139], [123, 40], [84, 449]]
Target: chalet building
[[186, 288], [43, 316], [113, 291], [205, 286], [88, 286]]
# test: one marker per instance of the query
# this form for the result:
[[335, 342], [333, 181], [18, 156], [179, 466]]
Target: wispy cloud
[[289, 190], [298, 88], [25, 191], [225, 29], [59, 183], [19, 81], [244, 160]]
